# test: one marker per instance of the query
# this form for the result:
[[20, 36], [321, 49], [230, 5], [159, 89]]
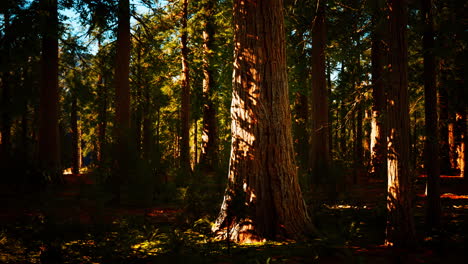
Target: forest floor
[[75, 223]]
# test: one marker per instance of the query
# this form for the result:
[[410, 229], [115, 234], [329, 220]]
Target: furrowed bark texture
[[400, 224], [263, 198]]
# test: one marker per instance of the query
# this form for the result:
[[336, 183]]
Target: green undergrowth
[[137, 239]]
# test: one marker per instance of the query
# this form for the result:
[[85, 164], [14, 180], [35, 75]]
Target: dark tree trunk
[[5, 126], [330, 112], [443, 101], [319, 148], [76, 137], [302, 114], [48, 145], [432, 164], [185, 98], [102, 120], [263, 198], [378, 166], [122, 97], [208, 157], [400, 230]]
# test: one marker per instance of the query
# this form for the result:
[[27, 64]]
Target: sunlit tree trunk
[[400, 230], [378, 166], [76, 137], [185, 97], [208, 157], [432, 164], [48, 145], [319, 148], [263, 198], [122, 95], [461, 122]]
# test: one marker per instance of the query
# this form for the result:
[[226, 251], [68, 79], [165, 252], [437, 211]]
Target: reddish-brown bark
[[400, 230], [263, 198]]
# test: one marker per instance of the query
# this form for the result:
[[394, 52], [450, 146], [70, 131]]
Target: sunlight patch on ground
[[345, 206]]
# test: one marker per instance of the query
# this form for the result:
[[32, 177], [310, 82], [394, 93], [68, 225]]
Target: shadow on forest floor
[[73, 223]]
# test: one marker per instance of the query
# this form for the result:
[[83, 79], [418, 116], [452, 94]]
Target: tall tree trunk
[[102, 120], [319, 148], [122, 96], [76, 137], [5, 126], [185, 98], [378, 134], [443, 101], [400, 223], [263, 198], [302, 114], [432, 165], [359, 148], [330, 113], [48, 145], [208, 157]]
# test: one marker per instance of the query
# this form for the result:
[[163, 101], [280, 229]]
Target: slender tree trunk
[[378, 136], [208, 157], [102, 119], [5, 126], [443, 101], [432, 164], [400, 223], [461, 148], [122, 96], [330, 112], [319, 148], [302, 114], [359, 148], [48, 145], [185, 98], [76, 137], [263, 198]]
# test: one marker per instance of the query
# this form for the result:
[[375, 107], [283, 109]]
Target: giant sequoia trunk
[[263, 198], [319, 148], [400, 223], [378, 162], [48, 145], [185, 98], [208, 158], [432, 164]]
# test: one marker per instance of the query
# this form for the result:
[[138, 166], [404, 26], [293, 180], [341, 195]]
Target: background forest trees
[[138, 93]]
